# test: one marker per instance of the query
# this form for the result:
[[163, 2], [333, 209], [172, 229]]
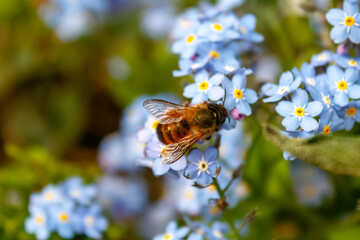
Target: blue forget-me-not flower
[[346, 23], [299, 112], [202, 166]]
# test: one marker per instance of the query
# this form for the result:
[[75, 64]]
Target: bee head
[[220, 113]]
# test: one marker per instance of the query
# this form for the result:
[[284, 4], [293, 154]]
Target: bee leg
[[208, 138], [187, 104]]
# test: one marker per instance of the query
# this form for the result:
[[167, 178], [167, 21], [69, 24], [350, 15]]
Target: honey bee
[[180, 126]]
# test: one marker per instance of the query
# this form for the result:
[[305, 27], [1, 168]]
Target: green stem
[[226, 217], [228, 185]]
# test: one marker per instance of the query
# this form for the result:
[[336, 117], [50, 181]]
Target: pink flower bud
[[235, 114], [343, 49]]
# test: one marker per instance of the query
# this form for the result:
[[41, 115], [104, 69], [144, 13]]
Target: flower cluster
[[68, 209], [322, 96], [209, 41]]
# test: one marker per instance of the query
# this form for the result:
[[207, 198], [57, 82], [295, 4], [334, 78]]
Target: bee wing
[[166, 112], [174, 151]]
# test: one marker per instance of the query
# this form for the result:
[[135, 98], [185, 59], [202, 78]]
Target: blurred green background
[[58, 99]]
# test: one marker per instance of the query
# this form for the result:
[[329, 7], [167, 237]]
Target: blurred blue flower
[[346, 23], [76, 190], [299, 112], [38, 223], [203, 166], [321, 92], [343, 85], [173, 232], [227, 5], [148, 133], [50, 195], [350, 114], [205, 88], [90, 221], [311, 184], [346, 61], [329, 122], [287, 85], [322, 58], [63, 218], [158, 20], [229, 66], [246, 26], [307, 74], [217, 232], [122, 197], [220, 29], [237, 95], [187, 45]]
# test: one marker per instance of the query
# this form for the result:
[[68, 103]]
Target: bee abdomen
[[173, 132]]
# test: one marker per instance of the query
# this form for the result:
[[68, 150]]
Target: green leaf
[[337, 154]]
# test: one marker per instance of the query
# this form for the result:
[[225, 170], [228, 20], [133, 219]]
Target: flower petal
[[239, 81], [201, 76], [211, 154], [291, 123], [243, 107], [352, 75], [191, 171], [204, 179], [195, 155], [308, 123], [335, 16], [190, 90], [286, 78], [355, 35], [285, 108], [314, 108], [159, 168], [339, 33], [341, 98], [217, 78], [300, 98], [179, 164], [354, 91], [199, 98], [215, 93], [250, 95]]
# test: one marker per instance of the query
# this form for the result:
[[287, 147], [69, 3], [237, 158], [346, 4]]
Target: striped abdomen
[[172, 132]]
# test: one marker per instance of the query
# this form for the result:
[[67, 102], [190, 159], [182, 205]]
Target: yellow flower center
[[326, 130], [342, 85], [352, 63], [229, 68], [322, 57], [214, 54], [217, 27], [89, 221], [204, 85], [349, 21], [188, 194], [212, 188], [39, 219], [243, 30], [63, 217], [326, 100], [351, 111], [49, 196], [190, 39], [203, 165], [299, 112], [238, 93], [75, 193], [154, 125], [167, 236]]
